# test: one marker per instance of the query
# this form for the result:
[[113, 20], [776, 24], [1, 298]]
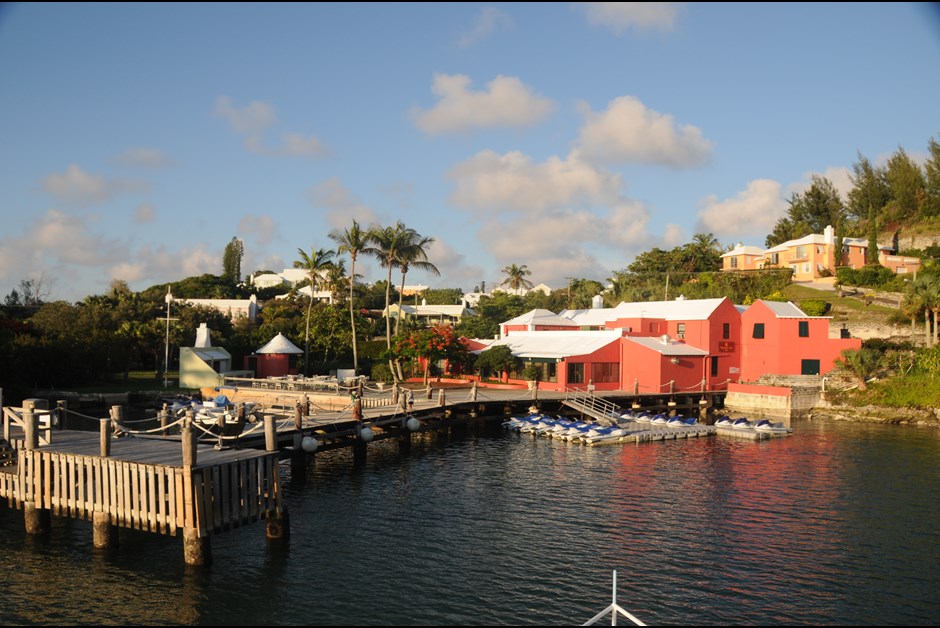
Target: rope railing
[[120, 427]]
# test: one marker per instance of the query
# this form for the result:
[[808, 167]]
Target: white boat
[[724, 421], [742, 424], [775, 428]]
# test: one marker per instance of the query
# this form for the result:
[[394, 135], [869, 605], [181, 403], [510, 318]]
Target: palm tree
[[516, 277], [314, 264], [412, 253], [387, 241], [353, 241], [862, 364]]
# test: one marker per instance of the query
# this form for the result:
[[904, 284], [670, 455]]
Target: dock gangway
[[589, 404]]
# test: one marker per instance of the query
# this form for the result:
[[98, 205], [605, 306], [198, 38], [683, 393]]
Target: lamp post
[[166, 356]]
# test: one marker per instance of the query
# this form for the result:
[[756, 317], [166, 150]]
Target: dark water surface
[[838, 524]]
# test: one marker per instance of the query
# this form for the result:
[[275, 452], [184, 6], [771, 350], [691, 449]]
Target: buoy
[[366, 434], [413, 424], [309, 444]]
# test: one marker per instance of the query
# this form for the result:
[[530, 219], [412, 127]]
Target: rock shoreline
[[877, 414]]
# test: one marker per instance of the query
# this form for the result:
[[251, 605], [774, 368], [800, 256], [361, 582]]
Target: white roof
[[669, 347], [744, 249], [680, 309], [211, 353], [556, 344], [433, 310], [280, 344], [785, 310], [541, 317]]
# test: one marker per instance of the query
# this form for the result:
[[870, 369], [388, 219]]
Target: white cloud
[[142, 157], [297, 145], [251, 119], [59, 246], [673, 236], [341, 204], [487, 22], [262, 229], [159, 264], [489, 181], [506, 102], [619, 16], [144, 213], [254, 119], [840, 176], [753, 212], [560, 217], [77, 187], [454, 267], [628, 131]]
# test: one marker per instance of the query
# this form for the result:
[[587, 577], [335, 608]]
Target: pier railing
[[15, 425], [159, 498], [590, 404]]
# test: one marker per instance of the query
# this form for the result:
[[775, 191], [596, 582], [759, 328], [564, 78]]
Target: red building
[[778, 338], [712, 325]]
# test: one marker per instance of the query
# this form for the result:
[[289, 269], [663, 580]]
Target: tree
[[353, 241], [906, 182], [861, 363], [443, 296], [232, 260], [387, 241], [932, 171], [499, 359], [430, 345], [411, 252], [516, 277], [869, 189], [871, 253], [810, 211], [314, 265]]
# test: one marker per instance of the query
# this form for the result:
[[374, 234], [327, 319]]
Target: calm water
[[839, 524]]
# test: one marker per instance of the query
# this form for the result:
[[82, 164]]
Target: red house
[[712, 325], [661, 365], [778, 338], [569, 359]]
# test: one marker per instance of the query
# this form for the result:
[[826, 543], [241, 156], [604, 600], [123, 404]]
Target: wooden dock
[[153, 485]]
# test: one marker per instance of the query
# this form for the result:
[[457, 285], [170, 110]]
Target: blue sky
[[137, 140]]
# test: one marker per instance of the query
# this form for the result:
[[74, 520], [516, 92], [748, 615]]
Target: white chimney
[[597, 302], [829, 235], [202, 337]]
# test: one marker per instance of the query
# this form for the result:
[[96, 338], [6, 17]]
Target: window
[[800, 252], [725, 331], [654, 328], [758, 330], [804, 329], [605, 372], [715, 367], [680, 331], [774, 258], [576, 372], [734, 262]]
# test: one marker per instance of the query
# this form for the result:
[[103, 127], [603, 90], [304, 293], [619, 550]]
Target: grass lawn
[[136, 381]]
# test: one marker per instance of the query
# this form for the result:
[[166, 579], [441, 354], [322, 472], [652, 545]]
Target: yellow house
[[813, 256], [743, 257]]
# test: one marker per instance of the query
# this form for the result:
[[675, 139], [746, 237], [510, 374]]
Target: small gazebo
[[273, 359]]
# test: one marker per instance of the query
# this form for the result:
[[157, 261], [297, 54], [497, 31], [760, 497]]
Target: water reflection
[[836, 524]]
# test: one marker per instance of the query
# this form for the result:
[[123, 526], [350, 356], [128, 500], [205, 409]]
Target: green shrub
[[381, 373], [815, 307]]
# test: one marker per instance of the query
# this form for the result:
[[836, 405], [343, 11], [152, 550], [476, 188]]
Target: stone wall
[[775, 396]]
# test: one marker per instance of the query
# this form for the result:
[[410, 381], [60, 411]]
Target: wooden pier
[[154, 485], [159, 479]]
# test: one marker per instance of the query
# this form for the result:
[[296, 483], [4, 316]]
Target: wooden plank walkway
[[143, 484]]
